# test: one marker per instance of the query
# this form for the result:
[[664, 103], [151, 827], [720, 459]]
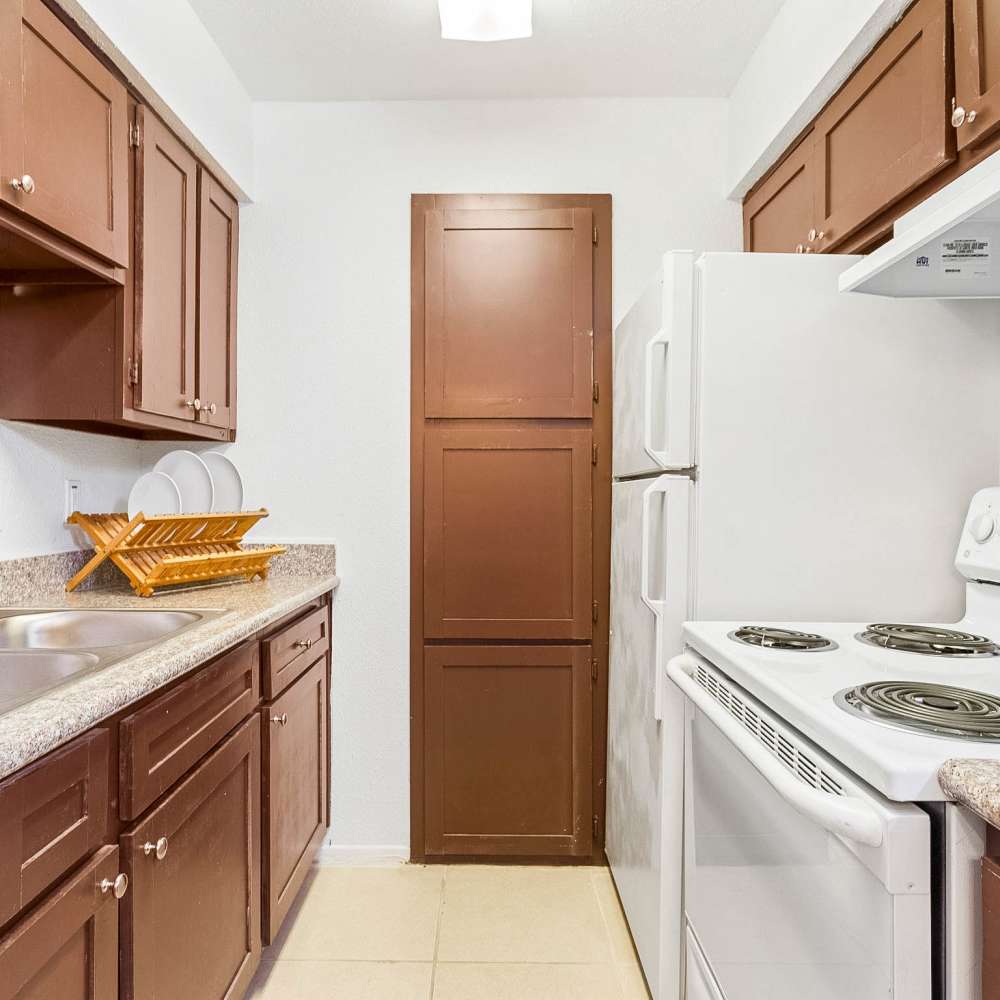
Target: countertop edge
[[38, 727], [975, 783]]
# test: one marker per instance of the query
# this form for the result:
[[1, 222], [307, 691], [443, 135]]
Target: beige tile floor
[[453, 933]]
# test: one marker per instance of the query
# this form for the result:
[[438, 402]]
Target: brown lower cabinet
[[179, 780], [67, 948]]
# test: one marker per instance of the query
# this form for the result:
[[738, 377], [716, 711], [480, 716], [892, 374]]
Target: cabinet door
[[64, 123], [67, 948], [509, 328], [166, 189], [507, 733], [508, 533], [295, 786], [218, 242], [887, 130], [977, 68], [778, 216], [191, 919]]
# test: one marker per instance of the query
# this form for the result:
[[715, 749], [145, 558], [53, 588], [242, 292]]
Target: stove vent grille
[[796, 760]]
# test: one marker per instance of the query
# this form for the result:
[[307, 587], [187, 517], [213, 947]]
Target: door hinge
[[596, 236], [133, 371], [593, 669], [594, 615], [593, 455], [596, 825], [134, 139], [597, 392]]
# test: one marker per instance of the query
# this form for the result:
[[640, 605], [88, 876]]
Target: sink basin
[[25, 675], [90, 629]]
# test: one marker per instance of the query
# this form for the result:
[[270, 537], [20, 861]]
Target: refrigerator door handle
[[656, 605], [661, 338]]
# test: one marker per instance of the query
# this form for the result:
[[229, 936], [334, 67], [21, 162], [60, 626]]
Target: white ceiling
[[392, 49]]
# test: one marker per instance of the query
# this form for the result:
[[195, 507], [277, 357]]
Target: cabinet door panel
[[191, 920], [977, 67], [165, 283], [218, 238], [295, 790], [778, 216], [888, 129], [509, 313], [63, 121], [67, 948], [508, 750], [507, 533], [52, 814]]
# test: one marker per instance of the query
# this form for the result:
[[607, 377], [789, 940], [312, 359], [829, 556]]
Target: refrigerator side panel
[[841, 437], [649, 602], [653, 347]]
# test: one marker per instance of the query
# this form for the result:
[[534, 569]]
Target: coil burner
[[931, 709], [765, 637], [929, 640]]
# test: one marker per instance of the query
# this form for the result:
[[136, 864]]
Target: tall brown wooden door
[[510, 524]]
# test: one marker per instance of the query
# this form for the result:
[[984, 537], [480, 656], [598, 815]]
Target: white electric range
[[822, 858]]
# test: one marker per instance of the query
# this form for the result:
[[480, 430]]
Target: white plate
[[227, 481], [154, 493], [193, 479]]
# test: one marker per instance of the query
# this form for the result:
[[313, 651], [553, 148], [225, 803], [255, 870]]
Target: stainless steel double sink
[[40, 650]]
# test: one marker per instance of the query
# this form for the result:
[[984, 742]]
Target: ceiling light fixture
[[485, 20]]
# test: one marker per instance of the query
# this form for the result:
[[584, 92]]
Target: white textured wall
[[169, 46], [34, 464], [810, 49], [324, 361]]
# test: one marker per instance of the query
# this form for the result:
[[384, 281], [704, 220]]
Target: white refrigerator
[[782, 451]]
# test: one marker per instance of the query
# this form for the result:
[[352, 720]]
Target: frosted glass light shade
[[485, 20]]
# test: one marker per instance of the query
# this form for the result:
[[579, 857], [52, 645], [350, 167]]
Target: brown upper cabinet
[[779, 213], [976, 111], [64, 139]]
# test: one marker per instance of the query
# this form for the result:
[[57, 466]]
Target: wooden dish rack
[[171, 549]]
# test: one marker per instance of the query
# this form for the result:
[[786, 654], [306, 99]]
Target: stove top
[[930, 709], [768, 637], [930, 640], [898, 726]]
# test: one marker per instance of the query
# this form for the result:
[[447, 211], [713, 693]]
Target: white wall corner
[[361, 855], [810, 49]]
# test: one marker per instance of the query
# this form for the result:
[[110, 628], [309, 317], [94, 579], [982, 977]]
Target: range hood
[[948, 247]]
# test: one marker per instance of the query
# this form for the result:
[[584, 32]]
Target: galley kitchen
[[499, 500]]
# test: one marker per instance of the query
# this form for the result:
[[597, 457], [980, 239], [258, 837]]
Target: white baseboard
[[361, 855]]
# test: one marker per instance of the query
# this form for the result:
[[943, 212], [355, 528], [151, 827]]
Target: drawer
[[161, 742], [52, 814], [290, 652]]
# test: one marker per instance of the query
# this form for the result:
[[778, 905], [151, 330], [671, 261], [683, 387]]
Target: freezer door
[[653, 374], [649, 594]]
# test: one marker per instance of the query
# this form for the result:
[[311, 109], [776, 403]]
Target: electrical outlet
[[74, 496]]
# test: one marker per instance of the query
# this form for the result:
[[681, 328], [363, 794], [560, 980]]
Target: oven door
[[799, 880]]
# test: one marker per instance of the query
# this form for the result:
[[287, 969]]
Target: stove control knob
[[982, 528]]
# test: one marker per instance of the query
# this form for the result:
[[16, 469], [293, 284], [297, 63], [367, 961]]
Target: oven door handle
[[848, 817]]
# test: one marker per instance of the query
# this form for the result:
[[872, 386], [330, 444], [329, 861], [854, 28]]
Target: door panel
[[63, 121], [218, 225], [165, 287], [202, 898], [508, 742], [509, 313], [507, 537], [977, 67], [887, 130], [779, 215]]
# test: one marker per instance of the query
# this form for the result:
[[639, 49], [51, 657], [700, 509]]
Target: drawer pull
[[119, 886], [303, 643], [159, 848], [25, 184], [280, 720]]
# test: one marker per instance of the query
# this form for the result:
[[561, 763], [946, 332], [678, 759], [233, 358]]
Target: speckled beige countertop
[[30, 730], [974, 783]]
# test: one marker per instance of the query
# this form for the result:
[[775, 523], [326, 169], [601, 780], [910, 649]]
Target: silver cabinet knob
[[159, 848], [210, 407], [24, 184], [960, 117], [193, 404], [800, 249], [302, 644], [119, 886], [280, 720], [812, 235]]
